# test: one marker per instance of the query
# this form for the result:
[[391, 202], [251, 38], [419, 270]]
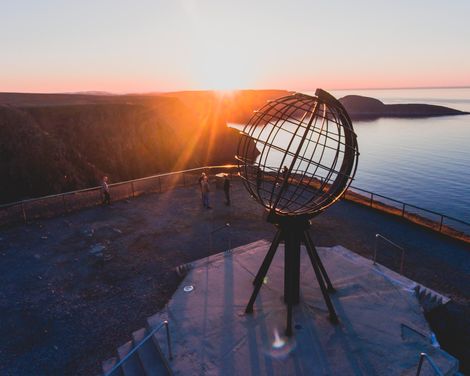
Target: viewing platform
[[381, 329], [77, 286]]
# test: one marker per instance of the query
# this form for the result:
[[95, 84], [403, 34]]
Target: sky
[[127, 46]]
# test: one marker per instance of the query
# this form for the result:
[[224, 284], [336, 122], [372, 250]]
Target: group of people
[[205, 190], [203, 183]]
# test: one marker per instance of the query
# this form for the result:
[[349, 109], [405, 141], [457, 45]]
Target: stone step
[[132, 365], [108, 364], [149, 356], [162, 355], [428, 298]]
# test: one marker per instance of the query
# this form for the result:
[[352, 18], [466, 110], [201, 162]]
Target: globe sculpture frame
[[306, 160]]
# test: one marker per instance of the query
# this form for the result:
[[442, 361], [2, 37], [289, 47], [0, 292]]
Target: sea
[[421, 161]]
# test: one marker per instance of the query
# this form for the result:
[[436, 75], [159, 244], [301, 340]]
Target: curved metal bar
[[318, 178], [434, 366], [401, 249]]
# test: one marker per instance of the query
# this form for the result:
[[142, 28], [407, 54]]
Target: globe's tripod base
[[294, 231]]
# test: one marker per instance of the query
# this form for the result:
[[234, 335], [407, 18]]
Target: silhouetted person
[[259, 178], [200, 180], [285, 171], [105, 190], [227, 189], [205, 192]]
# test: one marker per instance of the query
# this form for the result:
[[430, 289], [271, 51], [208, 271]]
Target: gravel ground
[[63, 309]]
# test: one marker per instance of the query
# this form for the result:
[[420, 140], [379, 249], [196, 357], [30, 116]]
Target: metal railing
[[228, 228], [434, 366], [395, 246], [53, 205], [139, 345], [439, 222]]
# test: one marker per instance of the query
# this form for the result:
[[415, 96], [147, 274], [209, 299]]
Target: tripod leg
[[260, 277], [269, 258], [289, 320], [292, 240], [316, 258], [326, 297], [292, 267]]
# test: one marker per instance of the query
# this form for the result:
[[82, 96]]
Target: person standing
[[200, 181], [205, 192], [227, 189], [105, 190], [285, 171]]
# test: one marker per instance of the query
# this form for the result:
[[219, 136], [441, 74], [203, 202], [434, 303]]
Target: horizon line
[[156, 92]]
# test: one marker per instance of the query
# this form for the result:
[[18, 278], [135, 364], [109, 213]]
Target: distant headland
[[360, 107]]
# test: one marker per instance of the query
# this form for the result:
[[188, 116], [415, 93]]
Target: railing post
[[132, 186], [440, 224], [24, 212], [401, 249], [371, 199], [64, 203], [434, 366], [168, 339], [403, 210], [420, 364], [375, 248]]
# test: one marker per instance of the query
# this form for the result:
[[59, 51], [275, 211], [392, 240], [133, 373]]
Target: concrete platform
[[382, 329]]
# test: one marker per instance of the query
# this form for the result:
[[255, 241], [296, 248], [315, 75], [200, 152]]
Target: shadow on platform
[[382, 329]]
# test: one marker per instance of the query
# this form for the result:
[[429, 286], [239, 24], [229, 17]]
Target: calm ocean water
[[424, 162]]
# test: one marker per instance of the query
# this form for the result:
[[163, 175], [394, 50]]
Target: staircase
[[141, 356], [429, 299]]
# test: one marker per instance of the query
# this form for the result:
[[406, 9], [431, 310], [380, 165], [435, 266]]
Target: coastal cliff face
[[45, 150], [57, 143]]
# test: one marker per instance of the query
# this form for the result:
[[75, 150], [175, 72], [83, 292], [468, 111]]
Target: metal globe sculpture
[[297, 156]]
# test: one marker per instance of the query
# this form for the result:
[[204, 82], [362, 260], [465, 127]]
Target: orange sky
[[125, 46]]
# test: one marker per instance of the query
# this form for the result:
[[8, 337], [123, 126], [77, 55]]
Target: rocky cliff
[[51, 143]]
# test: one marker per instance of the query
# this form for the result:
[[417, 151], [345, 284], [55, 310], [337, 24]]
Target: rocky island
[[360, 107]]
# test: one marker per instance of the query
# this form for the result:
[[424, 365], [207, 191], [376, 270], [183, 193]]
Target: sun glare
[[223, 82], [220, 75]]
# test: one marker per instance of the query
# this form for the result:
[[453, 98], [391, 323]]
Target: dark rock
[[360, 107], [451, 323]]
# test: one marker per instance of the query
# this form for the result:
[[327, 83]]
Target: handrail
[[220, 228], [130, 353], [411, 205], [226, 225], [23, 204], [434, 366], [401, 249], [402, 203], [115, 184]]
